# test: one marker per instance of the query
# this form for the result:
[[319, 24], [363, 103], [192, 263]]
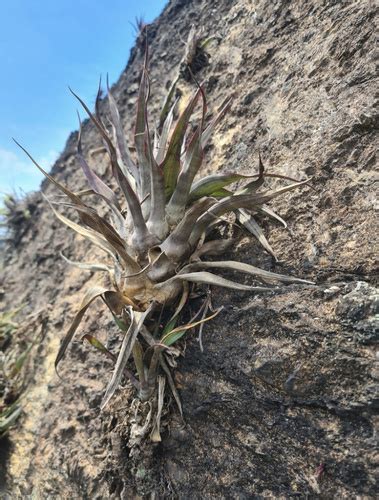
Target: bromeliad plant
[[158, 232]]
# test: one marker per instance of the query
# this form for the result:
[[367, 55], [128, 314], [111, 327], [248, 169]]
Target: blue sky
[[46, 45]]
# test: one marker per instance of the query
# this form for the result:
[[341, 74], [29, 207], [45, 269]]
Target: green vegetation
[[13, 357], [12, 210], [17, 361], [15, 214], [157, 233]]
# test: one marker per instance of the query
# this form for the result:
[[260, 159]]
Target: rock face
[[282, 401]]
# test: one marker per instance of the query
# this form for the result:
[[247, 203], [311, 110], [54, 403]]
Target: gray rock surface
[[283, 402]]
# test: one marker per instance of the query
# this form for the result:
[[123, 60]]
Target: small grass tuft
[[16, 362], [15, 216]]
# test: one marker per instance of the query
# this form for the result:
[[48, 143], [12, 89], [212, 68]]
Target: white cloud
[[17, 172]]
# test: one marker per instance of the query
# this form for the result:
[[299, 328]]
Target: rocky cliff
[[282, 401]]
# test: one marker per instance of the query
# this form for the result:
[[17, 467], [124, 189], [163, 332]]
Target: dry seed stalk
[[160, 233]]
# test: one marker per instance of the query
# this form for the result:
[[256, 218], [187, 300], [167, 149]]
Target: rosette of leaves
[[158, 231]]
